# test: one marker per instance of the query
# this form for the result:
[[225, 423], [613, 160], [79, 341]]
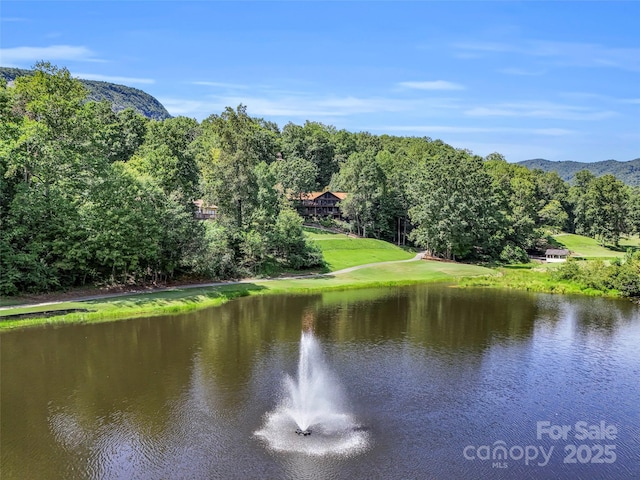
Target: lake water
[[446, 383]]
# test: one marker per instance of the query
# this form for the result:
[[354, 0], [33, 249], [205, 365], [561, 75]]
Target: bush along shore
[[619, 277]]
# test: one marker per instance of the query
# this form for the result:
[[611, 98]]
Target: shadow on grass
[[325, 276], [318, 231], [187, 296], [45, 314], [623, 248], [554, 243], [519, 267]]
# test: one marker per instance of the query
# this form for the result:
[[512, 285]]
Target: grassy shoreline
[[533, 278], [529, 278], [341, 251], [181, 300]]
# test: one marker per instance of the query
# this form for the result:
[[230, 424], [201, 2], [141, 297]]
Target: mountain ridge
[[120, 96], [626, 171]]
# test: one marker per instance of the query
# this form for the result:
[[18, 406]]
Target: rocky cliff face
[[120, 96]]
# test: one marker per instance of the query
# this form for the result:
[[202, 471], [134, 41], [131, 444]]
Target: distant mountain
[[628, 172], [120, 96]]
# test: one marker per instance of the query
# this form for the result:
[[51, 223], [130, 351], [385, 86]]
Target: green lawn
[[130, 306], [181, 300], [586, 247], [533, 277], [341, 251], [317, 234], [380, 275]]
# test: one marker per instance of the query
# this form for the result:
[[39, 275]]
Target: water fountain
[[312, 416]]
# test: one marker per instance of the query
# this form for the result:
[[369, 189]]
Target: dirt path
[[104, 296]]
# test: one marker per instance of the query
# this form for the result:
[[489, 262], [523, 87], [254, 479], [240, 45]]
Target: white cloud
[[16, 56], [565, 53], [432, 85], [514, 152], [189, 108], [221, 85], [113, 79], [521, 72], [539, 110], [453, 129], [298, 105], [591, 98]]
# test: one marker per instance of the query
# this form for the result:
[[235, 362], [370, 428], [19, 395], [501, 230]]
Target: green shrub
[[596, 274], [514, 254], [627, 280], [623, 276], [570, 270]]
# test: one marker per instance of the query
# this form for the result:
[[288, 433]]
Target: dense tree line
[[91, 196]]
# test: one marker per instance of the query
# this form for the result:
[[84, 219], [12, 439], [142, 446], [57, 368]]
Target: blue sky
[[555, 80]]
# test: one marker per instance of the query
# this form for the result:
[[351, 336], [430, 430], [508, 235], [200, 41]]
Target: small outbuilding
[[555, 255]]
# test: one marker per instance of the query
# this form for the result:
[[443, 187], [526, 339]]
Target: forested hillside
[[627, 172], [90, 196], [119, 96]]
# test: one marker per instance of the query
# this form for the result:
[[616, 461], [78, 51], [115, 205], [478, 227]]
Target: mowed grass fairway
[[341, 251], [380, 275], [586, 247]]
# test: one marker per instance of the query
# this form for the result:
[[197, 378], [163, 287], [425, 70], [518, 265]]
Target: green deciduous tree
[[628, 275], [123, 224], [363, 179], [168, 154], [606, 208], [553, 216], [51, 159], [71, 211], [451, 204], [312, 142], [296, 175], [578, 199], [236, 151], [633, 209], [232, 145], [515, 204]]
